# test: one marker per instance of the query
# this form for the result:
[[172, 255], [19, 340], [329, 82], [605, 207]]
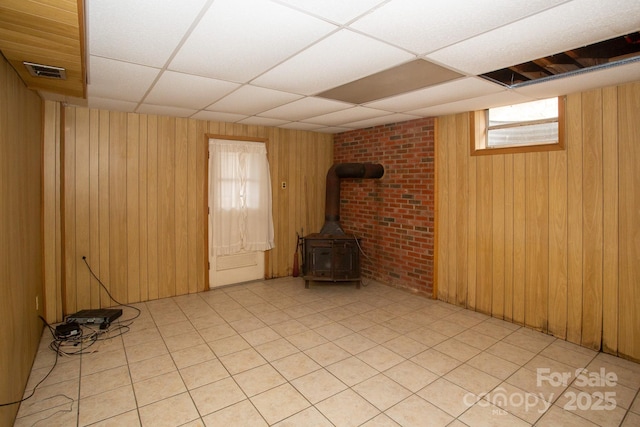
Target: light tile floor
[[274, 353]]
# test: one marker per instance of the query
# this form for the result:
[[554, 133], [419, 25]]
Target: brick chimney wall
[[394, 215]]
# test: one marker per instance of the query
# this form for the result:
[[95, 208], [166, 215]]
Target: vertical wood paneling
[[461, 183], [498, 243], [21, 240], [445, 283], [611, 219], [51, 209], [557, 232], [81, 194], [152, 206], [508, 237], [452, 202], [537, 240], [136, 202], [166, 208], [133, 207], [558, 244], [484, 228], [94, 202], [574, 218], [69, 212], [592, 245], [143, 232], [100, 261], [181, 198], [118, 255], [629, 249], [519, 238]]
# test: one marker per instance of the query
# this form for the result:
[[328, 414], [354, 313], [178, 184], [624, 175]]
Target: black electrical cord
[[42, 380], [84, 258]]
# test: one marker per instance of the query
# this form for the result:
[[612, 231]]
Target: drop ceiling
[[309, 65]]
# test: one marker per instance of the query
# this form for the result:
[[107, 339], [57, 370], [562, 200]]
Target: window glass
[[529, 123], [530, 126]]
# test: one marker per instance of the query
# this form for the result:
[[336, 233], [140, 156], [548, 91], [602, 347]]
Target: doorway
[[239, 201]]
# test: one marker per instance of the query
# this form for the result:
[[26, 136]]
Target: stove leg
[[306, 284]]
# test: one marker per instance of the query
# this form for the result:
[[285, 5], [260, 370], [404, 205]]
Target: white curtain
[[240, 197]]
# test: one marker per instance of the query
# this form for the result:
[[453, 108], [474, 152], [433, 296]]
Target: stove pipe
[[332, 196]]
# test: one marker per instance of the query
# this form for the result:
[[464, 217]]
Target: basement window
[[519, 128]]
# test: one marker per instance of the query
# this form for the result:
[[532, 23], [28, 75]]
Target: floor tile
[[410, 375], [351, 371], [308, 417], [417, 412], [318, 385], [347, 409], [493, 365], [279, 403], [242, 361], [295, 365], [214, 396], [274, 353], [258, 380], [158, 388], [175, 411], [472, 379], [151, 367], [241, 414], [204, 373], [228, 345], [380, 358], [327, 354], [381, 391], [449, 397], [104, 381], [435, 361], [106, 405], [486, 414]]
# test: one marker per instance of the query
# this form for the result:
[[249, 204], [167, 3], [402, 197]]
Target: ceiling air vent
[[39, 70]]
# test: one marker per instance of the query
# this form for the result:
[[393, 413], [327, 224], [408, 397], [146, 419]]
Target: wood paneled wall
[[20, 235], [133, 201], [548, 240]]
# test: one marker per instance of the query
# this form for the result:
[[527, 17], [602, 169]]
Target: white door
[[235, 268]]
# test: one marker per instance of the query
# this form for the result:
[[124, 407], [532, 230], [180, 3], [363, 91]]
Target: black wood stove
[[332, 255]]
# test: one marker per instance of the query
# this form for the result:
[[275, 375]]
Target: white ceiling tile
[[444, 93], [163, 110], [301, 126], [424, 26], [342, 57], [112, 104], [304, 108], [348, 115], [339, 11], [237, 41], [187, 91], [218, 117], [391, 118], [141, 31], [583, 81], [119, 80], [550, 32], [262, 121], [252, 100], [333, 129], [505, 97]]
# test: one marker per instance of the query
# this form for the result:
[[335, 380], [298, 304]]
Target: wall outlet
[[37, 303], [284, 185]]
